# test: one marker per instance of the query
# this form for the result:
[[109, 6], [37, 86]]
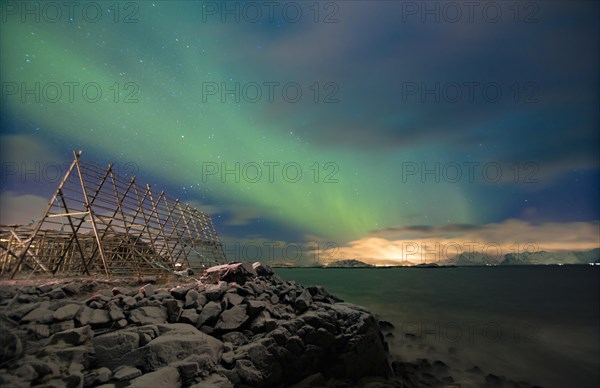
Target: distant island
[[590, 257], [349, 263]]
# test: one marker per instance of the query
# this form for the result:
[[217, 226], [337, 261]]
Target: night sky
[[318, 131]]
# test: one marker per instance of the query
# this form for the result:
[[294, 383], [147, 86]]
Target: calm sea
[[534, 323]]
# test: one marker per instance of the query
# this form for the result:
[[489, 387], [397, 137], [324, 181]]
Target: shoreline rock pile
[[240, 325]]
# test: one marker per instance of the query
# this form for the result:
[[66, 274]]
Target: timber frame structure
[[99, 223]]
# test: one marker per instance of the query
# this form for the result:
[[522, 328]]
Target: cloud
[[417, 244], [21, 209]]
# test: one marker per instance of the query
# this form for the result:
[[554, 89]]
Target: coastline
[[259, 330]]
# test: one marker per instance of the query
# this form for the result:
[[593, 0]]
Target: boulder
[[179, 292], [174, 310], [189, 316], [97, 376], [163, 377], [148, 315], [261, 269], [235, 337], [66, 312], [175, 345], [40, 315], [73, 337], [191, 299], [232, 299], [126, 373], [215, 291], [94, 317], [147, 290], [115, 313], [12, 347], [233, 318], [209, 313], [233, 272], [249, 373], [112, 348], [302, 301]]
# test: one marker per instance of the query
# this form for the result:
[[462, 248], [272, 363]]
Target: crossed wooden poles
[[98, 222]]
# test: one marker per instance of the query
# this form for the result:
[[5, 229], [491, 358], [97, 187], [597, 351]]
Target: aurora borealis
[[354, 124]]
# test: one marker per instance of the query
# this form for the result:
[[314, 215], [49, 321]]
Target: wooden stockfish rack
[[98, 222]]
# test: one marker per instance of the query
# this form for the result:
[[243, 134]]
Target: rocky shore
[[238, 325]]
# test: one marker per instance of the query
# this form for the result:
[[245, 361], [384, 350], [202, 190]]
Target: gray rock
[[12, 347], [72, 288], [303, 301], [235, 337], [94, 317], [163, 377], [232, 319], [129, 302], [188, 370], [264, 361], [191, 299], [189, 316], [115, 313], [262, 323], [38, 330], [127, 373], [248, 372], [148, 315], [44, 368], [174, 310], [258, 289], [261, 269], [57, 293], [179, 292], [20, 311], [73, 337], [147, 290], [97, 376], [295, 345], [280, 335], [215, 291], [175, 345], [66, 312], [232, 299], [314, 380], [40, 315], [44, 288], [320, 337], [61, 326], [255, 306], [112, 348], [209, 313], [26, 372], [214, 381], [121, 323]]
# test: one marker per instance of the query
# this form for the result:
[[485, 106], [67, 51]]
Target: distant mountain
[[474, 258], [527, 258], [543, 257], [349, 263]]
